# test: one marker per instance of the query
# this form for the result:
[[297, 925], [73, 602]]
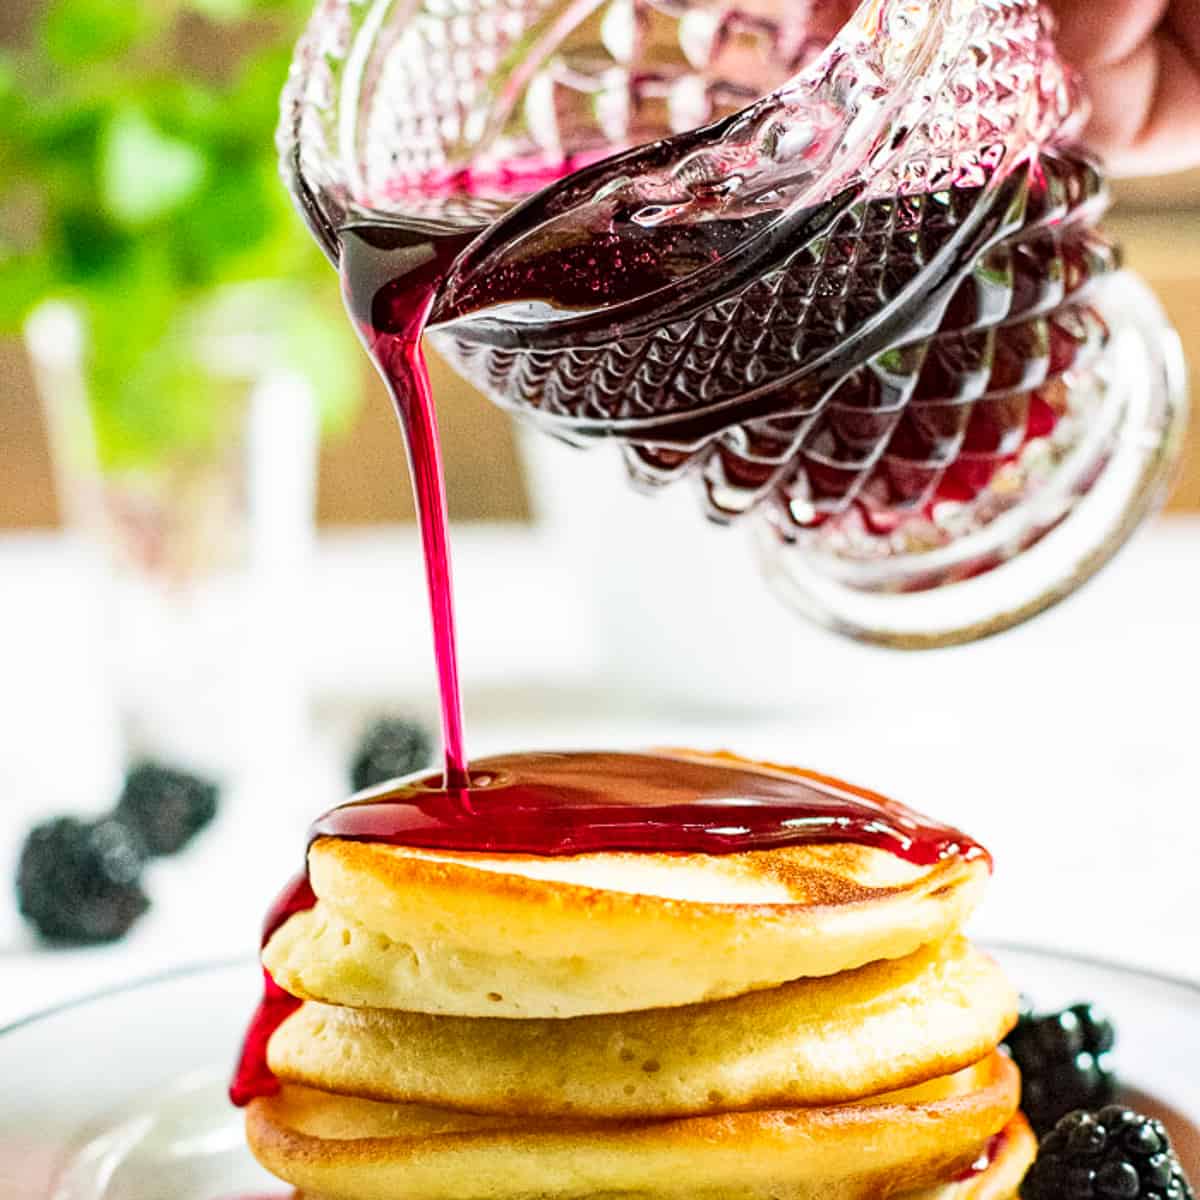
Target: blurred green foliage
[[139, 188]]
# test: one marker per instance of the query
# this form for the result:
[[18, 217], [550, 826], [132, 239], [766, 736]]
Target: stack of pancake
[[797, 1022]]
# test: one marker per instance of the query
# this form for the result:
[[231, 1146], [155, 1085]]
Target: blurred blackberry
[[1113, 1154], [166, 807], [391, 747], [1065, 1062], [80, 882]]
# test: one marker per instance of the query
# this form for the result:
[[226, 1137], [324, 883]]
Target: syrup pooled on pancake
[[596, 802]]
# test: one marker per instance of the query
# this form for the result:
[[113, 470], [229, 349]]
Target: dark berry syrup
[[586, 802], [253, 1077], [542, 804]]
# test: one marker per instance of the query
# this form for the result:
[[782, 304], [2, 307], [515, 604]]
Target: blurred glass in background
[[184, 338]]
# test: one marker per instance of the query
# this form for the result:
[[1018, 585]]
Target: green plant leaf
[[231, 216], [25, 281], [8, 75], [144, 173], [93, 251], [319, 342], [252, 101], [77, 32], [150, 398], [137, 190]]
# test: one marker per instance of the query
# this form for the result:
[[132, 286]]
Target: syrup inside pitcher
[[837, 267]]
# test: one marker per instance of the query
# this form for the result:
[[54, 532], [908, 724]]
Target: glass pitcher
[[836, 266]]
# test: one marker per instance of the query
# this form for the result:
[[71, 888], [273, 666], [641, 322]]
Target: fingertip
[[1099, 33], [1146, 111]]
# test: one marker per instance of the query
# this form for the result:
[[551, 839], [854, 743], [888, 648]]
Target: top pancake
[[512, 935]]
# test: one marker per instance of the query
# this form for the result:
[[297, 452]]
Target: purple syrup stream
[[390, 277]]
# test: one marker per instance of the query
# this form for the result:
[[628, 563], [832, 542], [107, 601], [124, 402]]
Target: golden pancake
[[490, 935], [813, 1042], [353, 1149], [1006, 1164]]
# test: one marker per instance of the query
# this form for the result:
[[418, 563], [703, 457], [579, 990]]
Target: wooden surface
[[1164, 245], [363, 477]]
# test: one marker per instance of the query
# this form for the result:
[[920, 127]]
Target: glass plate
[[121, 1096]]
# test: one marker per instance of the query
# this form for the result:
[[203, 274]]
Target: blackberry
[[80, 882], [1065, 1061], [391, 747], [165, 806], [1113, 1154]]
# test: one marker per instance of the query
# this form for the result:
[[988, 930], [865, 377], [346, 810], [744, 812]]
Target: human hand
[[1140, 61]]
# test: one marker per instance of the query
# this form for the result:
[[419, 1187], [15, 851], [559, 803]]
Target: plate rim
[[1083, 959], [151, 979], [183, 971]]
